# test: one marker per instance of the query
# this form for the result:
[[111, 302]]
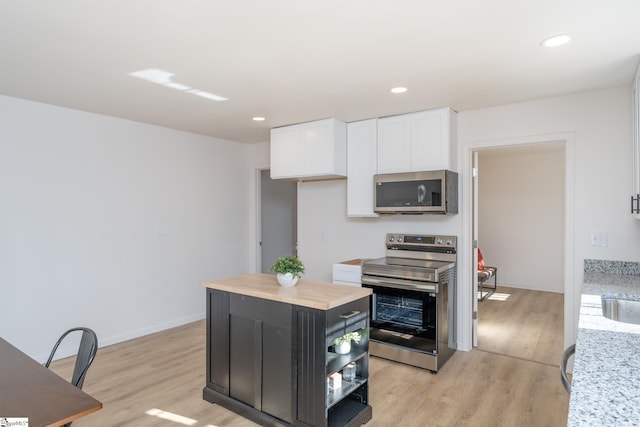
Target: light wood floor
[[522, 323], [149, 380]]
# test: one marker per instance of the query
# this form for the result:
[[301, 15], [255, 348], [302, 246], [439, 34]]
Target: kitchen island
[[605, 386], [270, 351]]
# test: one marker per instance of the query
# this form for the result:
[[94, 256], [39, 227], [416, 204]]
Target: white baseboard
[[70, 349], [103, 342]]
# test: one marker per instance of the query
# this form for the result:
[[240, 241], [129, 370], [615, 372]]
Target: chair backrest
[[86, 353]]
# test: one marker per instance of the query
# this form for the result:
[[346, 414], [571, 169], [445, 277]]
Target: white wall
[[112, 224], [521, 215], [599, 166], [600, 123], [326, 235], [85, 197]]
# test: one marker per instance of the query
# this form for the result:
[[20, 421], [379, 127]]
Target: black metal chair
[[86, 353], [570, 351]]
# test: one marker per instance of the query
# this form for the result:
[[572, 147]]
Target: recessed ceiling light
[[258, 119], [399, 89], [557, 40]]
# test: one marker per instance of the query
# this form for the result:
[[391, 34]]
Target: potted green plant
[[342, 344], [288, 270]]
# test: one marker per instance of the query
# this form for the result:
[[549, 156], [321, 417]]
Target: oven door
[[404, 316]]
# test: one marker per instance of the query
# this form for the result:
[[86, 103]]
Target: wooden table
[[29, 390]]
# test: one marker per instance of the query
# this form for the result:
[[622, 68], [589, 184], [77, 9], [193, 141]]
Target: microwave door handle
[[422, 193]]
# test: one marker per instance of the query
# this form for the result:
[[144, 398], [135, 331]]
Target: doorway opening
[[278, 227], [521, 198]]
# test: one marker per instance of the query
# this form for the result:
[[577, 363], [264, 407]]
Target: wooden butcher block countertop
[[307, 293]]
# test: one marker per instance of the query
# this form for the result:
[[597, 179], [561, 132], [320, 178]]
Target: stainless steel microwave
[[434, 192]]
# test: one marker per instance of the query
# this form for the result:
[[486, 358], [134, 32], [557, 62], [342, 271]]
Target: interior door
[[278, 219], [474, 231]]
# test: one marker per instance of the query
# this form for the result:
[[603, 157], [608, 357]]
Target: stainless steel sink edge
[[621, 308]]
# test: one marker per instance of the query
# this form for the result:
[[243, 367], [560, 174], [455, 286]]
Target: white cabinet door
[[394, 144], [417, 141], [286, 151], [318, 150], [313, 150], [362, 161], [430, 140]]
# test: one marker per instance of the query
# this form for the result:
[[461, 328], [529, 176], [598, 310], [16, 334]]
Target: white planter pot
[[344, 347], [287, 279]]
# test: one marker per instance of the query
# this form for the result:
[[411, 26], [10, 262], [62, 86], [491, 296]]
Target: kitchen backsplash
[[615, 267]]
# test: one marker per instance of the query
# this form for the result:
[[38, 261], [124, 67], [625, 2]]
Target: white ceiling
[[299, 60]]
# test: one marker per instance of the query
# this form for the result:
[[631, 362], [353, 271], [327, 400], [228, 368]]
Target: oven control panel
[[420, 240]]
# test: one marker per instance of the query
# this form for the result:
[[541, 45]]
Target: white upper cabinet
[[394, 144], [417, 141], [361, 167], [313, 150]]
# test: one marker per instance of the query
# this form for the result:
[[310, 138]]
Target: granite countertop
[[307, 293], [605, 387]]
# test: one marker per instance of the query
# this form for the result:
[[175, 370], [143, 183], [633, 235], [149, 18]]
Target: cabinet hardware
[[350, 314]]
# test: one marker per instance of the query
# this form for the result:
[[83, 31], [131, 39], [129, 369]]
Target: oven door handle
[[399, 284]]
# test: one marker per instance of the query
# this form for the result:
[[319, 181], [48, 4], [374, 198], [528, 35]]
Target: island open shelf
[[270, 354]]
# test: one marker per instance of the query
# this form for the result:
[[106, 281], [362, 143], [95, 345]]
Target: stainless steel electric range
[[412, 310]]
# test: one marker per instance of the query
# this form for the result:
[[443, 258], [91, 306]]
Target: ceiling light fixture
[[258, 119], [163, 78], [399, 89], [555, 41]]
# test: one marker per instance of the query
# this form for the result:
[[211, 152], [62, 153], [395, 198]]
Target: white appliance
[[348, 272]]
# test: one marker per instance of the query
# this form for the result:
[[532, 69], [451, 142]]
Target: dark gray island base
[[270, 351]]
